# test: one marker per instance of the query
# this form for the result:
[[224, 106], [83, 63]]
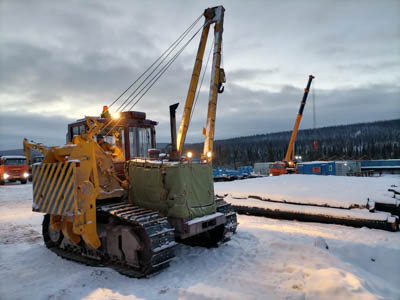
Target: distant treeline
[[377, 140]]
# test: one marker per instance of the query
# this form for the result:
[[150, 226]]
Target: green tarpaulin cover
[[182, 190]]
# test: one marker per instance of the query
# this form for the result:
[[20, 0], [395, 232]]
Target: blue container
[[329, 168], [317, 168], [382, 163]]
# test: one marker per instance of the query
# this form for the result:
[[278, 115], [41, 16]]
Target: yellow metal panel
[[53, 185], [66, 186], [214, 83], [43, 192], [184, 126], [38, 179], [54, 188]]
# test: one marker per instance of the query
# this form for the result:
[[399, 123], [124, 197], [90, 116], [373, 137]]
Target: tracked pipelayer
[[114, 202]]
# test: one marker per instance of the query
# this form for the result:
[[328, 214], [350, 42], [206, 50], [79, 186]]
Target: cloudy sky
[[61, 60]]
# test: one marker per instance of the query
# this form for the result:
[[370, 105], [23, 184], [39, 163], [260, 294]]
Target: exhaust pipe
[[172, 117]]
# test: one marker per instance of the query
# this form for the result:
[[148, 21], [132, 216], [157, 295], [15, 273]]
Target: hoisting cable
[[173, 45], [121, 107], [183, 35], [157, 76], [165, 68], [201, 82]]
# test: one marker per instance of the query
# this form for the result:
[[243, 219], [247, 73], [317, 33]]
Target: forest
[[376, 140]]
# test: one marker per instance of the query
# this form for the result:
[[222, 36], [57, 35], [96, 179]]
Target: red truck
[[13, 168], [278, 168]]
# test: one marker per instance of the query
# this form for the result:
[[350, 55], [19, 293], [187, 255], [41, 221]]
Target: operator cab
[[131, 132], [37, 159]]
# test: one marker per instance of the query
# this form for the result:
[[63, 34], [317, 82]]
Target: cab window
[[140, 141], [277, 166], [75, 131], [82, 129], [14, 161]]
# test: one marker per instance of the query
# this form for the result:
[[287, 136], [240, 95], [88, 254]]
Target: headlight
[[5, 176], [26, 175]]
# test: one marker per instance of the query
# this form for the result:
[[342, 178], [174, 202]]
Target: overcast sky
[[62, 60]]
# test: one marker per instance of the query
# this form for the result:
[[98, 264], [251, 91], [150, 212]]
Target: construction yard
[[266, 259], [140, 122]]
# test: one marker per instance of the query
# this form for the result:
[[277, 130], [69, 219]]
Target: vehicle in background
[[13, 168], [229, 174], [278, 168], [262, 168], [290, 161]]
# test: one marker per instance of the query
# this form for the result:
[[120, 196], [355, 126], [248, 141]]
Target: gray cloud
[[249, 74], [16, 126], [240, 112], [60, 60]]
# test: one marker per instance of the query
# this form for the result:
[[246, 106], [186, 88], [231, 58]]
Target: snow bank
[[266, 259], [333, 191]]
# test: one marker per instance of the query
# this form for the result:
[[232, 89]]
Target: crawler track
[[154, 232], [231, 218]]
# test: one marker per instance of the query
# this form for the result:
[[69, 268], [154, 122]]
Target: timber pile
[[380, 212], [389, 202]]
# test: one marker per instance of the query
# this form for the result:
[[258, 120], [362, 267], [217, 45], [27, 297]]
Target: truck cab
[[13, 168], [277, 168]]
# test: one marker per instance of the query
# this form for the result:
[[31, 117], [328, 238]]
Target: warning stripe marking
[[53, 187], [67, 180], [53, 184]]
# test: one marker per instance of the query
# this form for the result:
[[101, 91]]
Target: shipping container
[[382, 163], [390, 166], [338, 168], [317, 168]]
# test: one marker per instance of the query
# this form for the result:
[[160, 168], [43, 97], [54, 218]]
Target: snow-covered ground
[[266, 259], [322, 195], [333, 191]]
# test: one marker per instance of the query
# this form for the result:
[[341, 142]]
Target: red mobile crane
[[288, 165]]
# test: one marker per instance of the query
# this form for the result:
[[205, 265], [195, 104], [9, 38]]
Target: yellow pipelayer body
[[68, 182], [134, 237]]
